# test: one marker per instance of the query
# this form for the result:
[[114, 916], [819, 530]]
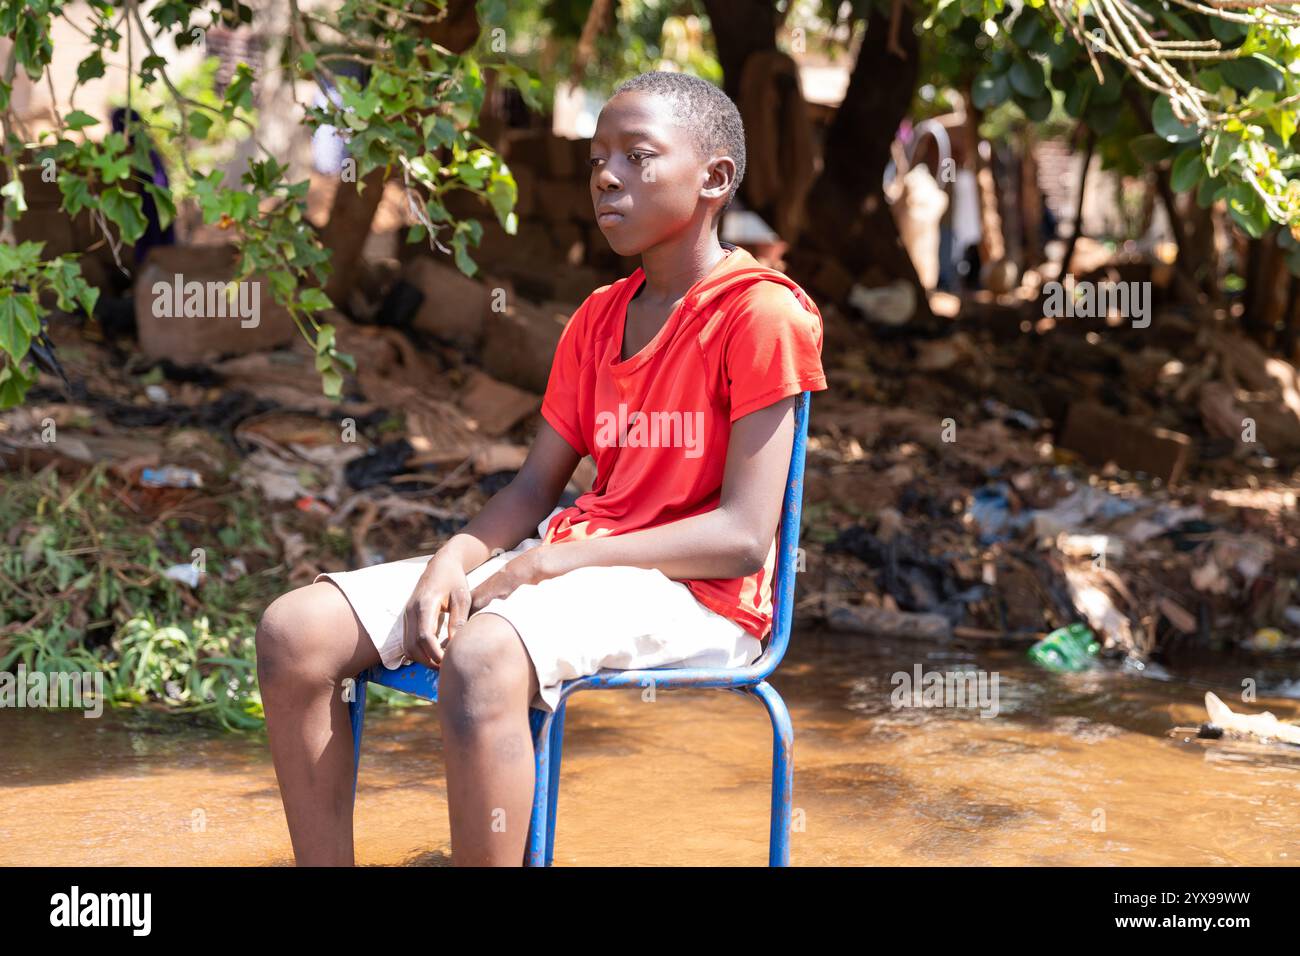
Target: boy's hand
[[527, 568], [442, 590]]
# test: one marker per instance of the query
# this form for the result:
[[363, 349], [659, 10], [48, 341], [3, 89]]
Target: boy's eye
[[638, 156]]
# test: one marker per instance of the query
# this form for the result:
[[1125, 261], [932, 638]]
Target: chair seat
[[421, 681]]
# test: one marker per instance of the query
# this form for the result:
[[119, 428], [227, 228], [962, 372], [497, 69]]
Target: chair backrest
[[787, 551]]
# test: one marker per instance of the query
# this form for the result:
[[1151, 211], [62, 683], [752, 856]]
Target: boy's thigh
[[616, 618]]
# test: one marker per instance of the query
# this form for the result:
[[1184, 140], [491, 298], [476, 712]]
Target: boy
[[680, 381]]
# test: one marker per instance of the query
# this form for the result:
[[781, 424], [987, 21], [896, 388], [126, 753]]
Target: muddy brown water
[[1074, 769]]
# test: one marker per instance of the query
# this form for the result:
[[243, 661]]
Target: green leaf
[[1149, 149], [1036, 109], [1227, 31], [200, 122], [1027, 78], [463, 261], [15, 333], [1252, 73], [1167, 125], [1063, 55], [76, 193], [331, 383], [1027, 28], [163, 202], [1187, 169], [315, 300], [15, 197], [989, 91], [1205, 192], [1108, 93], [125, 209], [91, 68], [28, 318], [1224, 149], [502, 193], [14, 383], [1178, 24], [79, 120], [1293, 261], [1248, 210]]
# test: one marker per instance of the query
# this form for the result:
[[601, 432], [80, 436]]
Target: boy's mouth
[[608, 216]]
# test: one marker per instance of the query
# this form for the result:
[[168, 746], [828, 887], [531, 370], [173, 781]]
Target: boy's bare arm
[[513, 513], [730, 541]]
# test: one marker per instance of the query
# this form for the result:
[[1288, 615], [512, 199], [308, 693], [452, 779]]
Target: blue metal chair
[[548, 728]]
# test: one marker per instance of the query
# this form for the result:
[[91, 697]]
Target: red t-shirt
[[657, 425]]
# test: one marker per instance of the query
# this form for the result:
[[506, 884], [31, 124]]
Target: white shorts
[[594, 618]]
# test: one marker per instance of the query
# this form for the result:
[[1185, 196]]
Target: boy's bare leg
[[309, 640], [484, 690]]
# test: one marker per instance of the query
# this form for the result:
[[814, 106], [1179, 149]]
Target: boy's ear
[[719, 174]]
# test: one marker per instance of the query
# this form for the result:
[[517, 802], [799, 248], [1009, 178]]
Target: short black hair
[[705, 111]]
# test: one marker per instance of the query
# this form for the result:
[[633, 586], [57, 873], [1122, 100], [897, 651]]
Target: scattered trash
[[1072, 648], [185, 573], [171, 477], [1077, 510], [379, 466], [1263, 726], [990, 509], [1092, 546], [1268, 640]]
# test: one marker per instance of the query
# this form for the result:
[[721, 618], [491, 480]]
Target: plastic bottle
[[1071, 648]]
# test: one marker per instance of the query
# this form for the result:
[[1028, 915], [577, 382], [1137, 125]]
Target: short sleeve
[[560, 405], [772, 349]]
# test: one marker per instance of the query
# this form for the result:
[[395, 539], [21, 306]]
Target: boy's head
[[668, 154]]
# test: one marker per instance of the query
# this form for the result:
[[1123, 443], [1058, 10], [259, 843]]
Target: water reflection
[[1074, 769]]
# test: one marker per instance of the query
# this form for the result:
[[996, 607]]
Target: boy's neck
[[670, 269]]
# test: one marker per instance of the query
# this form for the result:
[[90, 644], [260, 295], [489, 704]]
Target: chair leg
[[535, 852], [553, 789], [357, 717], [782, 772]]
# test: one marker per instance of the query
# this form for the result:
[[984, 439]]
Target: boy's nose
[[607, 181]]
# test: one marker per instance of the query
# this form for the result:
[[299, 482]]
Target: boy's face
[[649, 183]]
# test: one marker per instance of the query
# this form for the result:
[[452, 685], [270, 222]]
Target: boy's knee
[[484, 673], [291, 630]]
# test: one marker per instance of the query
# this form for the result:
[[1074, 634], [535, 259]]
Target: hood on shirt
[[738, 271]]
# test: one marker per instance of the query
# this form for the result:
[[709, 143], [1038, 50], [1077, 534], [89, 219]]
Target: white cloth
[[593, 618]]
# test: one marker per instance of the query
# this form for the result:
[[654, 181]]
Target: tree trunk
[[741, 27], [1090, 141], [1031, 201], [850, 223], [993, 246], [1265, 299], [345, 233]]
